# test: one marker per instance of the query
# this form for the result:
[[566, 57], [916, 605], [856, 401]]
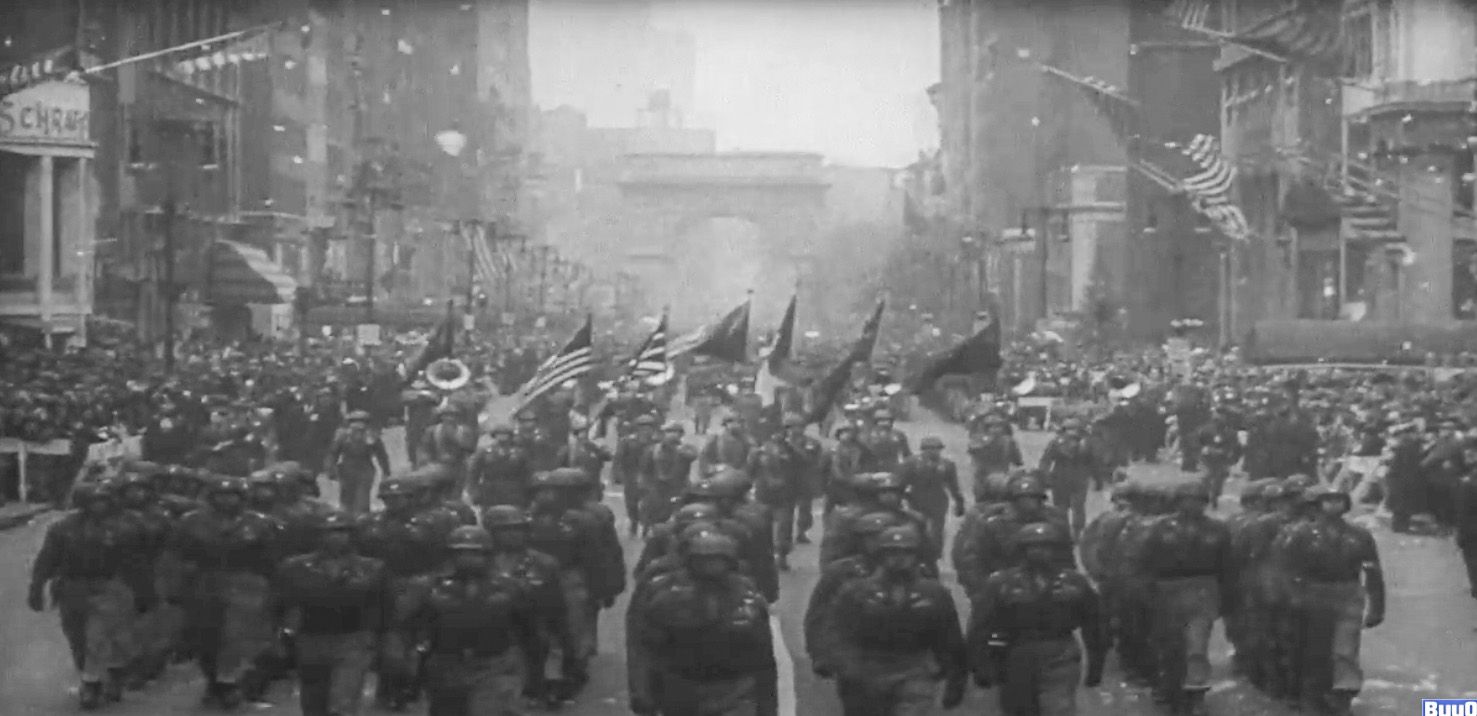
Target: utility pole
[[471, 236], [171, 296], [364, 199]]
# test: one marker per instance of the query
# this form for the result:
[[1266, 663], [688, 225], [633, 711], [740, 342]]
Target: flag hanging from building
[[246, 48], [776, 363], [1120, 111], [650, 360], [833, 385], [1309, 32], [1209, 189], [1193, 15], [482, 253], [726, 340], [574, 360]]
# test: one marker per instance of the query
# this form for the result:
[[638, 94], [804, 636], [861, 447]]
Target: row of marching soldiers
[[253, 579]]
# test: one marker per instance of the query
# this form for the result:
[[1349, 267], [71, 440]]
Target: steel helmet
[[931, 443], [543, 479], [793, 420], [263, 478], [568, 477], [1319, 493], [1041, 533], [1195, 490], [85, 492], [882, 414], [135, 479], [500, 429], [647, 419], [711, 543], [695, 512], [732, 483], [704, 490], [1125, 491], [503, 516], [1300, 482], [238, 485], [1025, 485], [1253, 491], [874, 523], [672, 426], [899, 539], [397, 487], [469, 537]]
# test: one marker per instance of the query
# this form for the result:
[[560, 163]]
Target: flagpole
[[180, 48]]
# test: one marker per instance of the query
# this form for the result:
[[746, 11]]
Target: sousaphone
[[448, 374]]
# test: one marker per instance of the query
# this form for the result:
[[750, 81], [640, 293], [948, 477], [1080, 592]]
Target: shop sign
[[54, 112]]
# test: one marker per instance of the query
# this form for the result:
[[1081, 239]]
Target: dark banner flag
[[978, 355], [440, 345], [831, 387]]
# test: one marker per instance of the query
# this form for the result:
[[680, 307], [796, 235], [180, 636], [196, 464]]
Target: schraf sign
[[53, 113]]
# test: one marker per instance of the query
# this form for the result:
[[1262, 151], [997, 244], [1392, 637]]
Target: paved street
[[1425, 649]]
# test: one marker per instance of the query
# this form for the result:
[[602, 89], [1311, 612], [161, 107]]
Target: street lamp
[[452, 142]]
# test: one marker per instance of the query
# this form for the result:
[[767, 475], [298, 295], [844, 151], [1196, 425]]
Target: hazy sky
[[842, 77]]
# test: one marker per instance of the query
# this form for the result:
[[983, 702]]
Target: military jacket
[[334, 594]]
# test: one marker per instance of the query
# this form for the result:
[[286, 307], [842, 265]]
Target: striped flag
[[650, 360], [1192, 15], [1309, 32], [1210, 188], [248, 48], [1120, 111], [476, 233], [574, 360]]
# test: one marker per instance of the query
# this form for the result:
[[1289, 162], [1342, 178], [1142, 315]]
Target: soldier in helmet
[[335, 602], [1188, 554], [156, 631], [475, 626], [1253, 506], [704, 637], [1070, 465], [730, 447], [231, 552], [403, 539], [448, 443], [1128, 588], [625, 465], [933, 481], [835, 576], [782, 469], [752, 524], [420, 414], [352, 459], [895, 634], [498, 474], [569, 534], [878, 492], [1339, 590], [587, 494], [889, 446], [1096, 546], [90, 562], [580, 451], [1219, 446], [993, 453], [538, 573], [660, 550], [665, 471], [1021, 628], [301, 515], [986, 547], [848, 458], [535, 441]]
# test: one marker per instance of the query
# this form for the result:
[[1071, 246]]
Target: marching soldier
[[231, 553], [847, 459], [475, 626], [560, 529], [781, 468], [300, 514], [896, 635], [993, 454], [538, 573], [447, 443], [666, 538], [932, 481], [542, 451], [334, 601], [877, 492], [752, 520], [157, 630], [1021, 628], [1188, 554], [730, 447], [986, 547], [420, 414], [582, 452], [587, 495], [352, 460], [1253, 506], [1070, 466], [1096, 548], [705, 629], [499, 473], [888, 445], [1326, 558], [1465, 512], [664, 473], [1220, 448], [626, 466], [403, 540], [90, 561], [1130, 588], [835, 576]]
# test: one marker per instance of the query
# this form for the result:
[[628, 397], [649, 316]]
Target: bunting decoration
[[1193, 15], [1309, 32], [26, 75], [248, 48], [1210, 189]]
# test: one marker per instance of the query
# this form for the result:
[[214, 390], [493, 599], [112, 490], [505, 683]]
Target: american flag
[[487, 265], [1309, 32], [574, 360], [651, 360], [1210, 188], [1190, 14], [1120, 111]]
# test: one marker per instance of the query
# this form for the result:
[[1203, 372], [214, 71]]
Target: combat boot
[[1340, 703], [113, 686]]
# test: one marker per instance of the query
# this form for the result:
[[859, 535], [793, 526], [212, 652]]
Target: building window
[[1360, 32], [14, 169]]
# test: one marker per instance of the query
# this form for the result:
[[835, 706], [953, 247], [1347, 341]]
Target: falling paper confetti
[[404, 47]]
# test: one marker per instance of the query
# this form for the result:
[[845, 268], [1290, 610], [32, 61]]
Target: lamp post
[[452, 142]]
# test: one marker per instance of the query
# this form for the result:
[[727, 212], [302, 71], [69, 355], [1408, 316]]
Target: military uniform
[[448, 443], [932, 481], [1220, 448], [705, 640], [94, 563], [1070, 465], [841, 539], [834, 576], [992, 454], [538, 573], [499, 473], [730, 447], [986, 547], [403, 540], [782, 469], [560, 529], [889, 446], [1021, 630], [626, 464], [352, 460], [846, 459], [664, 473], [475, 625], [156, 631], [895, 636], [335, 603]]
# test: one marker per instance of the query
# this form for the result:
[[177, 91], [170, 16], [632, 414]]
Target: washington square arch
[[700, 229]]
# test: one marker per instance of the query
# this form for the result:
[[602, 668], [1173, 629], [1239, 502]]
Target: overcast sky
[[842, 77]]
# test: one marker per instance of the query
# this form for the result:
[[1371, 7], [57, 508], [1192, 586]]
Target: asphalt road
[[1426, 648]]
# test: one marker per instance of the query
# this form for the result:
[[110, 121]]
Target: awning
[[241, 273]]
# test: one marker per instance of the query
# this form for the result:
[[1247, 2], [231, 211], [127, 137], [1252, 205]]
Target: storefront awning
[[241, 273]]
